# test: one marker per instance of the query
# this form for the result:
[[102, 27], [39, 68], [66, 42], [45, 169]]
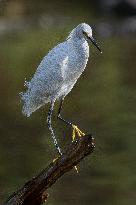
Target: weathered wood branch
[[34, 191]]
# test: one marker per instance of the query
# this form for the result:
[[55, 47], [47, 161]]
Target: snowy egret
[[57, 74]]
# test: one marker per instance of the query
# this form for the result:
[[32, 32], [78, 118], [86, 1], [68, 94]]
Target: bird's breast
[[76, 61]]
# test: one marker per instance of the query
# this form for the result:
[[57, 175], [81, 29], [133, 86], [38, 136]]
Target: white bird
[[57, 74]]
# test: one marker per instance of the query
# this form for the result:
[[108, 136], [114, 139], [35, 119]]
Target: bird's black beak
[[95, 43]]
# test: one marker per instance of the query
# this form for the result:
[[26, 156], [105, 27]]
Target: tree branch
[[34, 191]]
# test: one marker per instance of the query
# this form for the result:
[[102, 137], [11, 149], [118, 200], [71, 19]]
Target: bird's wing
[[49, 77]]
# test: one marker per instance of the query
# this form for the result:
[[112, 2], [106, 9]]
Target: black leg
[[51, 129], [59, 115]]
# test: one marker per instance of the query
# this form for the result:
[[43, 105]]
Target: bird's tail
[[28, 106]]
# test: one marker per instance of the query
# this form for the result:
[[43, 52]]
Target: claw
[[54, 160], [76, 169], [79, 133]]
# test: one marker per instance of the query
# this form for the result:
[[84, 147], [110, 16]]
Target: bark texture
[[34, 192]]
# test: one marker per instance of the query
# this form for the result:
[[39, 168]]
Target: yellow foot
[[76, 169], [54, 160], [79, 133]]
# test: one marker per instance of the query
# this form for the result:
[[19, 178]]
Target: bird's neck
[[80, 46], [79, 52]]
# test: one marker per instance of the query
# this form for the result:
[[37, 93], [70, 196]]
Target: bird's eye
[[85, 34]]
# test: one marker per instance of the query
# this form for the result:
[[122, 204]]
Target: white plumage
[[57, 74], [58, 71]]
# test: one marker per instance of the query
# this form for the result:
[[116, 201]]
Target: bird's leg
[[76, 130], [59, 115], [51, 129]]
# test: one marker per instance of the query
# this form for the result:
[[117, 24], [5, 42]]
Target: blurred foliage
[[105, 95]]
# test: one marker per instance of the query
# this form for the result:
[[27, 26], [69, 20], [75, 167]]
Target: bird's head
[[84, 31]]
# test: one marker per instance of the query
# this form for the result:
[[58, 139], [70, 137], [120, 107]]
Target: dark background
[[102, 102]]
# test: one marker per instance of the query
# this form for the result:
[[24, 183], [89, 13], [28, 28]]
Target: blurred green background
[[103, 102]]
